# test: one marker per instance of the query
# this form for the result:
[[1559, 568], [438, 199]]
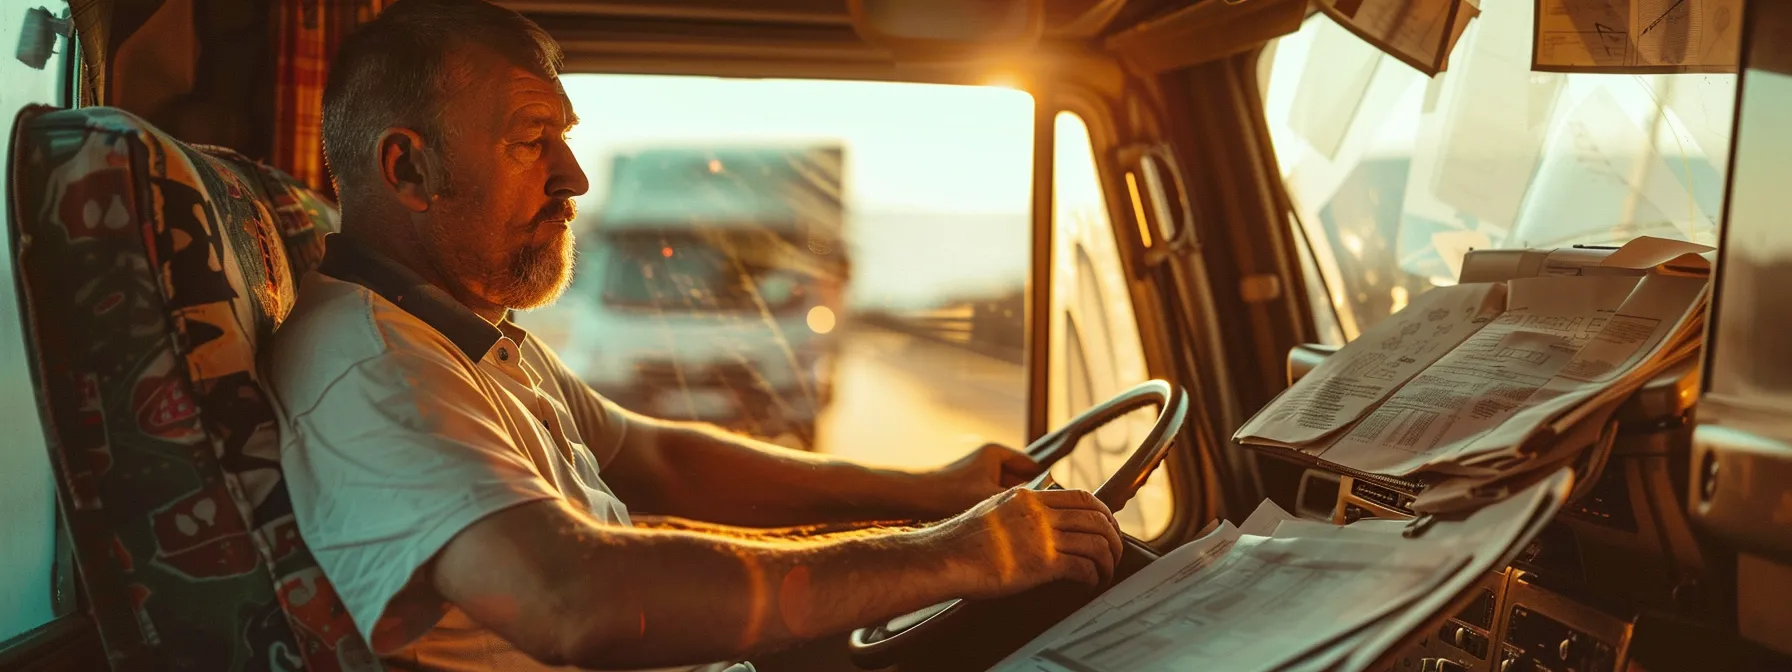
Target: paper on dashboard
[[1159, 577], [1312, 596], [1264, 604], [1637, 36], [1570, 413], [1637, 342], [1658, 327], [1353, 380], [1662, 255], [1478, 386], [1162, 575], [1646, 254], [1493, 535]]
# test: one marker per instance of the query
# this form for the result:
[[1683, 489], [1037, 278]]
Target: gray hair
[[395, 72]]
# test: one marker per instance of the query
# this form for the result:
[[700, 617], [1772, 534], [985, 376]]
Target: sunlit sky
[[908, 146]]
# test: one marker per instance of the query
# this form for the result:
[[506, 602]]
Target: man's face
[[501, 227]]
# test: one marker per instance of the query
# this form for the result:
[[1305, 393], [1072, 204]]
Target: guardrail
[[984, 332]]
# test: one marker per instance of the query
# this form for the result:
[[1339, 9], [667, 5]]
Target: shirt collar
[[348, 261]]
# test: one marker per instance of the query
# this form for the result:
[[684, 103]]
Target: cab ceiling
[[774, 38], [1064, 18]]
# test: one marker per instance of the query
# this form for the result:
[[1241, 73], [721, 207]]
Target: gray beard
[[537, 276]]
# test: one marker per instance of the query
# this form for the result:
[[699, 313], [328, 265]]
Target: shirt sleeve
[[400, 454], [602, 424]]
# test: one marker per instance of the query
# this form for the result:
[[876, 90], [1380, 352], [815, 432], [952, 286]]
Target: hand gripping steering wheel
[[882, 645]]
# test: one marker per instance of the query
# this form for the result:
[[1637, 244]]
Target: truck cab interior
[[1142, 220]]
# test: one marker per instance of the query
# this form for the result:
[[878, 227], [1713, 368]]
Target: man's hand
[[1023, 538], [985, 472]]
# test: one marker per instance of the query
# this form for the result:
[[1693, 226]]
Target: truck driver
[[470, 498]]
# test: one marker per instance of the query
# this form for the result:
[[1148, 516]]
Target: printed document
[[1159, 578], [1309, 595], [1637, 36], [1354, 379], [1263, 603], [1486, 380], [1477, 386]]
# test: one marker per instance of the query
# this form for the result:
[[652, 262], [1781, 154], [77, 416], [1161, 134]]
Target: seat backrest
[[149, 272]]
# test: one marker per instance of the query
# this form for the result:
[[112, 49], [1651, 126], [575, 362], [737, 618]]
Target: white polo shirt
[[404, 419]]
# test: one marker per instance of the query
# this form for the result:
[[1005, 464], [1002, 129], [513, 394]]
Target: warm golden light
[[1138, 208], [821, 319], [759, 612], [1004, 80], [1005, 560], [715, 165], [796, 602]]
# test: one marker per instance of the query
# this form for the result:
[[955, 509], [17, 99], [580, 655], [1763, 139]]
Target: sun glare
[[1005, 80]]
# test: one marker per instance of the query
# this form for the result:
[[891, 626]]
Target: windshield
[[823, 264], [1394, 176], [709, 271]]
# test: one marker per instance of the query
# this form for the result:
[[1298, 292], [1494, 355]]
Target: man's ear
[[408, 168]]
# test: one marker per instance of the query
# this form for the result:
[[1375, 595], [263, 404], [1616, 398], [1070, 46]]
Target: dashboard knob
[[1563, 650], [1460, 638], [1506, 665]]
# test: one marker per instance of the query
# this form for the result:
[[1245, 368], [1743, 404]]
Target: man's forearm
[[815, 532], [715, 599], [695, 471], [567, 590]]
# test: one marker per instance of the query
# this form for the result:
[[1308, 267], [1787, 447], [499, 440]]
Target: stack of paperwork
[[1279, 593], [1475, 389]]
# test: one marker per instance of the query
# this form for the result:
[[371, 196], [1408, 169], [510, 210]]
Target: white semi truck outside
[[711, 286]]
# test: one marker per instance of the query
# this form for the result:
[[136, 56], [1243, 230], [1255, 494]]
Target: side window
[[1324, 300], [1095, 347], [837, 266], [27, 490]]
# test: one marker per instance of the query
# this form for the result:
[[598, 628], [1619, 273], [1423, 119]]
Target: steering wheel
[[882, 645]]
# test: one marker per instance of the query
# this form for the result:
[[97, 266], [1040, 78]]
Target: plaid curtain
[[93, 22], [307, 34]]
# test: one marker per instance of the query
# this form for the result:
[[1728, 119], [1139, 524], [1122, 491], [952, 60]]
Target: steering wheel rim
[[882, 645]]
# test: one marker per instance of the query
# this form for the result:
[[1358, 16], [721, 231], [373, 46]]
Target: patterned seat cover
[[149, 271]]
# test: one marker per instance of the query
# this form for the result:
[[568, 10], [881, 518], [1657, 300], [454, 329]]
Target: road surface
[[909, 402]]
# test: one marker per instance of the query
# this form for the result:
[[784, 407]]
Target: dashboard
[[1622, 551], [1675, 550]]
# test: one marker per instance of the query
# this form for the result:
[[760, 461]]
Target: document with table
[[1482, 386], [1282, 593]]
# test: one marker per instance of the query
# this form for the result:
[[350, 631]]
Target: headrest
[[223, 224]]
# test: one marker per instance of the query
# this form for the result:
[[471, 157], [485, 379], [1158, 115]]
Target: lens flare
[[821, 319]]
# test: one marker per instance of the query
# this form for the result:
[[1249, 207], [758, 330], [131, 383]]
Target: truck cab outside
[[710, 287]]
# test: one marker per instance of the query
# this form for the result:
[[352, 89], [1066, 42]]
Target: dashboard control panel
[[1511, 625], [1467, 640], [1537, 643], [1508, 622]]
